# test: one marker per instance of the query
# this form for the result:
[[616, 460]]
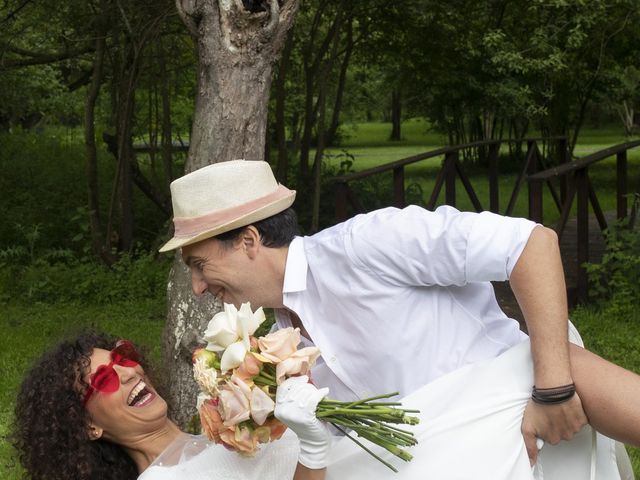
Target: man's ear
[[95, 432], [250, 238]]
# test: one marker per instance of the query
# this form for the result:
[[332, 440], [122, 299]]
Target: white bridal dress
[[193, 457], [469, 429]]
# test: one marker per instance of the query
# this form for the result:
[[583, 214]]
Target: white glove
[[296, 403]]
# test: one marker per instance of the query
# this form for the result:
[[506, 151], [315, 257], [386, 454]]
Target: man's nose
[[198, 285]]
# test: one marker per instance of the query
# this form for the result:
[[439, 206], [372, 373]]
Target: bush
[[59, 276], [616, 280], [44, 194]]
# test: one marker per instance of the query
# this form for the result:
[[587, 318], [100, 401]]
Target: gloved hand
[[296, 403]]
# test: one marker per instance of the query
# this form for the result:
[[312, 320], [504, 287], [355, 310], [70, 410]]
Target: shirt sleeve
[[444, 247]]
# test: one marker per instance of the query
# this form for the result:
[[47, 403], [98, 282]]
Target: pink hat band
[[224, 196], [190, 226]]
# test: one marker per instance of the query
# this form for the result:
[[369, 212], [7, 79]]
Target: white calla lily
[[248, 322], [253, 319], [222, 330], [233, 356], [230, 331]]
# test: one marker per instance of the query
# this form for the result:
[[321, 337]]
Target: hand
[[296, 403], [551, 423]]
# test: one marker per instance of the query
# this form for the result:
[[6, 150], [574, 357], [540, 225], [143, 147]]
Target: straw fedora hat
[[223, 196]]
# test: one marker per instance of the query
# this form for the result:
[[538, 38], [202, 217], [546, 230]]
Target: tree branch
[[16, 11], [39, 58]]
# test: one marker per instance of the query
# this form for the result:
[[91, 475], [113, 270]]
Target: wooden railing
[[451, 169], [575, 175], [566, 181]]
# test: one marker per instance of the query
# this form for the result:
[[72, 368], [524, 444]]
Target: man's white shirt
[[397, 298]]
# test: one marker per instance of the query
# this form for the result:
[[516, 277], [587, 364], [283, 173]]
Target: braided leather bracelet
[[552, 396]]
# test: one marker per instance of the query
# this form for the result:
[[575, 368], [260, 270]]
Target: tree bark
[[332, 131], [167, 137], [281, 139], [135, 37], [236, 51], [317, 164], [126, 101], [313, 58], [93, 203]]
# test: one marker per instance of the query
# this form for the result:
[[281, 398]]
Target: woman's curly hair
[[51, 429]]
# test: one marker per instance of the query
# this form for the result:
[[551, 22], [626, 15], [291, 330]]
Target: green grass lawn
[[616, 337]]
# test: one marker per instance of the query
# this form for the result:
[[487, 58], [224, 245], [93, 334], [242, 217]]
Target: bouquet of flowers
[[238, 375]]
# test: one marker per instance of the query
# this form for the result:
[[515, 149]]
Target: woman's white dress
[[193, 457], [469, 429]]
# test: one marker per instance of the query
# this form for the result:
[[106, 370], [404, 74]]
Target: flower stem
[[367, 450]]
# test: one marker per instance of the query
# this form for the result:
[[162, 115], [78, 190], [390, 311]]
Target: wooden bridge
[[568, 185]]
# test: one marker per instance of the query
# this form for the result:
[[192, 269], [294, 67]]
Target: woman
[[88, 411]]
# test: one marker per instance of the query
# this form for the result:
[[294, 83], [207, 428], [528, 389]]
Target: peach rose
[[298, 363], [276, 428], [241, 439], [249, 367], [234, 401], [280, 344], [261, 405], [211, 420]]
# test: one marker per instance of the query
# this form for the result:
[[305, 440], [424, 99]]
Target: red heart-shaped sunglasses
[[106, 379]]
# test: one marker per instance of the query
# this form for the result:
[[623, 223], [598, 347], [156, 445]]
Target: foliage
[[43, 201], [40, 177], [39, 74], [616, 280], [490, 69], [58, 276], [35, 96]]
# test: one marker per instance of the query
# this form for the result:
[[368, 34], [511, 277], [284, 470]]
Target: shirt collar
[[295, 271]]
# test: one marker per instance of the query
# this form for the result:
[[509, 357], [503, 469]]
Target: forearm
[[304, 473], [537, 281]]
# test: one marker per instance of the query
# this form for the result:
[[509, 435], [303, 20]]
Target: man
[[396, 298]]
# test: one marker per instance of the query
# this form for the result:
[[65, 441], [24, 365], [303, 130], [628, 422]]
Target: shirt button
[[332, 360]]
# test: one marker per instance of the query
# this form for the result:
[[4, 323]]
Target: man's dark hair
[[275, 231]]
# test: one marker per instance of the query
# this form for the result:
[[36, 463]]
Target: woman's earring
[[95, 433]]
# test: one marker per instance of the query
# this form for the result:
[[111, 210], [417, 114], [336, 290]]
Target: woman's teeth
[[140, 395]]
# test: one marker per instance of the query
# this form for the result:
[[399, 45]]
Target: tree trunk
[[332, 131], [236, 51], [308, 122], [125, 151], [281, 139], [396, 116], [90, 144], [167, 138], [313, 61], [626, 113], [317, 164]]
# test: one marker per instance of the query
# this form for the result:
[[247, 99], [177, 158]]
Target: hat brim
[[259, 214]]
